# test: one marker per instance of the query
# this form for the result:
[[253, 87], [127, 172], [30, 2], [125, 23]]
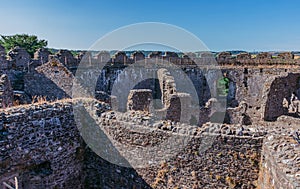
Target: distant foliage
[[74, 52], [29, 42]]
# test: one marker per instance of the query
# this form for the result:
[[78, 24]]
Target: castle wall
[[273, 103], [51, 80], [40, 144], [230, 162], [250, 80], [119, 81], [279, 166], [254, 87], [213, 157], [139, 100], [6, 93], [247, 84]]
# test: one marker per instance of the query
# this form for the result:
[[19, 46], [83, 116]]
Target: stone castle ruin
[[237, 129]]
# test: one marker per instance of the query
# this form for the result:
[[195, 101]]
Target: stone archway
[[279, 90]]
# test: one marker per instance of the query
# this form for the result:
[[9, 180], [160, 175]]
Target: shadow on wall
[[107, 78], [103, 174], [100, 173], [153, 85], [283, 97], [83, 168], [37, 84]]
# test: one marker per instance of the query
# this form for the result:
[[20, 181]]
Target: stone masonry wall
[[3, 60], [140, 99], [281, 88], [6, 93], [249, 85], [176, 104], [19, 58], [52, 80], [256, 87], [280, 163], [215, 156], [244, 72], [40, 144]]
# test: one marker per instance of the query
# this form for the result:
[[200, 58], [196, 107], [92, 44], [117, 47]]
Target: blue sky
[[260, 25]]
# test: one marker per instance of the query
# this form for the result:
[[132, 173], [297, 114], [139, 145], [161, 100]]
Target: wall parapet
[[280, 163]]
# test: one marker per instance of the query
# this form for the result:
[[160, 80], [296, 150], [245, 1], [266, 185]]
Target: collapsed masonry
[[255, 93], [55, 82], [176, 105], [51, 153]]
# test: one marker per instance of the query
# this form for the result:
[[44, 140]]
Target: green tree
[[29, 42]]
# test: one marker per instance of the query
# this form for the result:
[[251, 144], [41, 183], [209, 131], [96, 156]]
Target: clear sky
[[260, 25]]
